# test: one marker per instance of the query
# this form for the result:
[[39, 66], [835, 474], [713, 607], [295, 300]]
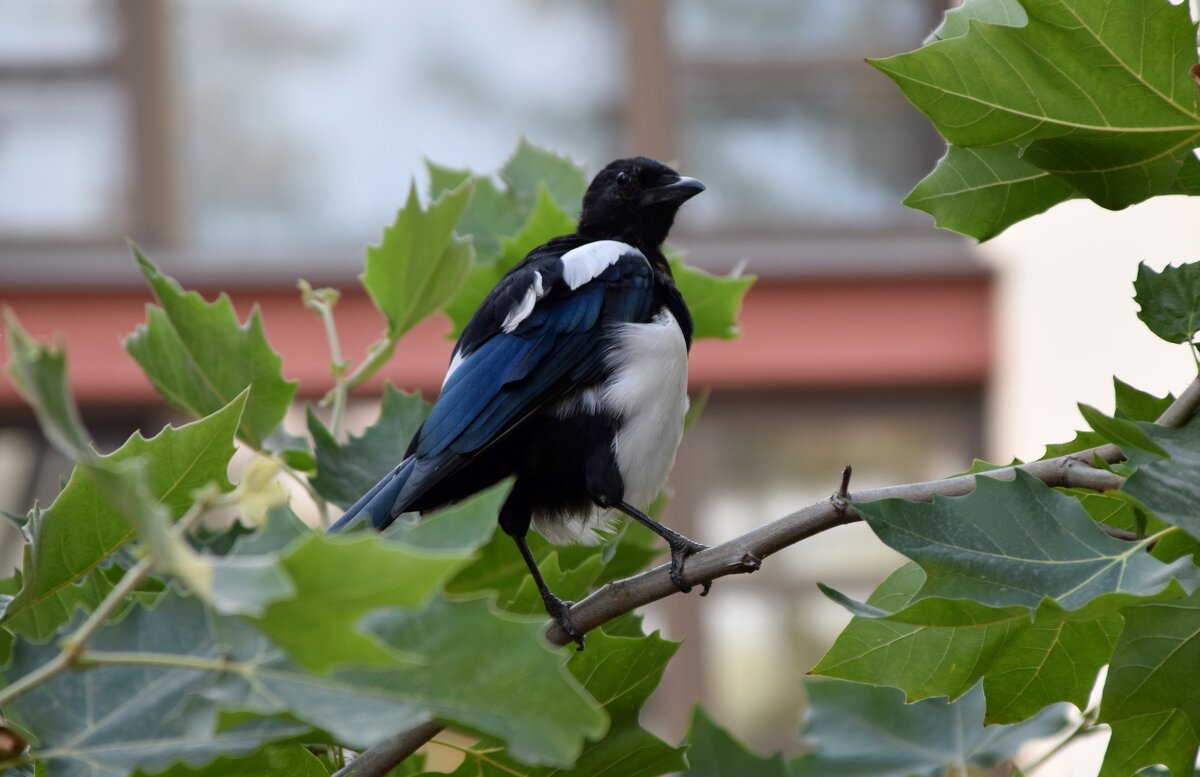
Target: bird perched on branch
[[571, 376]]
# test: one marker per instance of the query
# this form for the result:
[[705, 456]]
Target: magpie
[[572, 377]]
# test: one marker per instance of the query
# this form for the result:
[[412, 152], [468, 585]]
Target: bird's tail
[[380, 503]]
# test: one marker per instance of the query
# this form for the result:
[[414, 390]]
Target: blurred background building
[[244, 144]]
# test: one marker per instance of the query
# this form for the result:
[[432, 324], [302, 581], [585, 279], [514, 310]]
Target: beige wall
[[1066, 321]]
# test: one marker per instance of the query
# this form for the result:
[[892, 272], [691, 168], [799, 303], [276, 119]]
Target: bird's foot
[[560, 611], [681, 548]]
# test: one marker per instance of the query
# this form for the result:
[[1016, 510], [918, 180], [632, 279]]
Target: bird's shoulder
[[560, 274]]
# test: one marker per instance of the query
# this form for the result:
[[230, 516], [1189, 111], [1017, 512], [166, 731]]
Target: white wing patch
[[455, 362], [585, 263], [525, 307]]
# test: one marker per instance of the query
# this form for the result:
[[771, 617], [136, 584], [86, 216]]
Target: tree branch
[[745, 554]]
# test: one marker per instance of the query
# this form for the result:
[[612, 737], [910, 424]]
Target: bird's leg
[[681, 547], [559, 610]]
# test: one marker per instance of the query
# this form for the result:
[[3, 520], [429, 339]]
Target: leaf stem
[[322, 302], [1086, 727], [73, 644], [168, 660], [377, 356]]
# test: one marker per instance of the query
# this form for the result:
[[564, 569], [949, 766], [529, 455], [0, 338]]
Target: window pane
[[732, 28], [56, 31], [821, 151], [778, 105], [304, 121], [63, 161]]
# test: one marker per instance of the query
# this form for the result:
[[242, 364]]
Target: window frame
[[138, 67], [655, 113]]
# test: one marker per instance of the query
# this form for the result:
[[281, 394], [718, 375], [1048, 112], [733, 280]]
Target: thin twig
[[744, 553], [1086, 727], [1118, 533]]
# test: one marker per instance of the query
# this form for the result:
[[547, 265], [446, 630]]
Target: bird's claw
[[680, 550], [560, 611]]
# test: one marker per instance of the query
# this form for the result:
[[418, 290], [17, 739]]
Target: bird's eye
[[623, 178]]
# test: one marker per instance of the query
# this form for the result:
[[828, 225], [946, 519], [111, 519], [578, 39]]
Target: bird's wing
[[538, 334]]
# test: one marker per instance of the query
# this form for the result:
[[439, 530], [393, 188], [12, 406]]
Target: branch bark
[[746, 553]]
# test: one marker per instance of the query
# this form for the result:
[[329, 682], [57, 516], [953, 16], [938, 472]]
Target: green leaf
[[1081, 442], [242, 585], [983, 191], [272, 760], [864, 731], [1026, 666], [714, 300], [1112, 508], [420, 264], [1189, 178], [546, 220], [44, 617], [923, 661], [498, 566], [979, 465], [957, 19], [491, 214], [1054, 659], [1164, 737], [532, 166], [1154, 714], [40, 375], [1170, 300], [83, 527], [1015, 544], [1170, 487], [515, 691], [1115, 117], [627, 625], [347, 471], [630, 551], [111, 720], [461, 527], [200, 358], [199, 663], [1131, 404], [1119, 431], [713, 752], [283, 527], [620, 673], [570, 585], [338, 580], [1138, 405]]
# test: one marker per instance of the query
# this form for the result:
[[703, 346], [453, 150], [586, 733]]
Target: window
[[777, 105], [63, 124], [304, 122]]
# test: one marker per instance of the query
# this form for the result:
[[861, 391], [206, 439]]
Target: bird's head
[[634, 200]]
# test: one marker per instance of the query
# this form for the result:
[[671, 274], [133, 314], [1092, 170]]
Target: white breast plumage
[[648, 392]]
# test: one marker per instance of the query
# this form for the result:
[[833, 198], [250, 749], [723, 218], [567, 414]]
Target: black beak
[[676, 191]]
